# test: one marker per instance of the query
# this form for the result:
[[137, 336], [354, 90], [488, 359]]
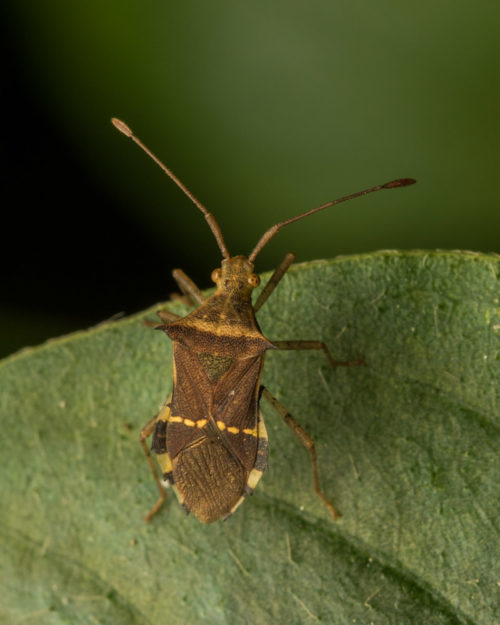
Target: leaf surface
[[407, 451]]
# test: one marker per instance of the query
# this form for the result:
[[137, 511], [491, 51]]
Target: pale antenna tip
[[121, 126], [401, 182]]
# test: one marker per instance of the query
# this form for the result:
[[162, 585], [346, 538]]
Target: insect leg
[[306, 440], [187, 286], [146, 431], [165, 315], [317, 345], [273, 281]]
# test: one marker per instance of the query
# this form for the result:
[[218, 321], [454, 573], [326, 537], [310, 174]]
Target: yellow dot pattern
[[200, 423]]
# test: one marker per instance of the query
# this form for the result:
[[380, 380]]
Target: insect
[[209, 437]]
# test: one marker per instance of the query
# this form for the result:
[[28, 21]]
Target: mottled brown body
[[213, 436]]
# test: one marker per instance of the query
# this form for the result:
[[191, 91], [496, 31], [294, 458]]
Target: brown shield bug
[[209, 437]]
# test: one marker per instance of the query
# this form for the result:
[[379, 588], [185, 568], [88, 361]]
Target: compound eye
[[215, 275], [253, 280]]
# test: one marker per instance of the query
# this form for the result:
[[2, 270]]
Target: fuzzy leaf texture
[[408, 451]]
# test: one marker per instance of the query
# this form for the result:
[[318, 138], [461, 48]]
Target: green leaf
[[407, 450]]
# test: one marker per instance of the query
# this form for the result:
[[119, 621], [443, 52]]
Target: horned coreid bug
[[209, 437]]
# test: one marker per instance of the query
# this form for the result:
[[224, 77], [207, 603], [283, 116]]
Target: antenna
[[214, 226], [267, 236]]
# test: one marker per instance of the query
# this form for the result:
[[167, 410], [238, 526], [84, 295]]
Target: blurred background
[[264, 110]]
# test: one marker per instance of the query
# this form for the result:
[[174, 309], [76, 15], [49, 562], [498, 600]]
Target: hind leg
[[306, 440], [158, 425]]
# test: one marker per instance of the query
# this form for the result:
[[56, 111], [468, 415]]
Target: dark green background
[[263, 109]]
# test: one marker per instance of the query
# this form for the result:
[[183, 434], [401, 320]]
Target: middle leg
[[318, 345], [146, 432]]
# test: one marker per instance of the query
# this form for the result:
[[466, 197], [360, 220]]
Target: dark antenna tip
[[267, 236], [401, 182]]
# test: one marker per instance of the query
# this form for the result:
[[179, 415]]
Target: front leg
[[274, 280], [165, 315], [188, 288]]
